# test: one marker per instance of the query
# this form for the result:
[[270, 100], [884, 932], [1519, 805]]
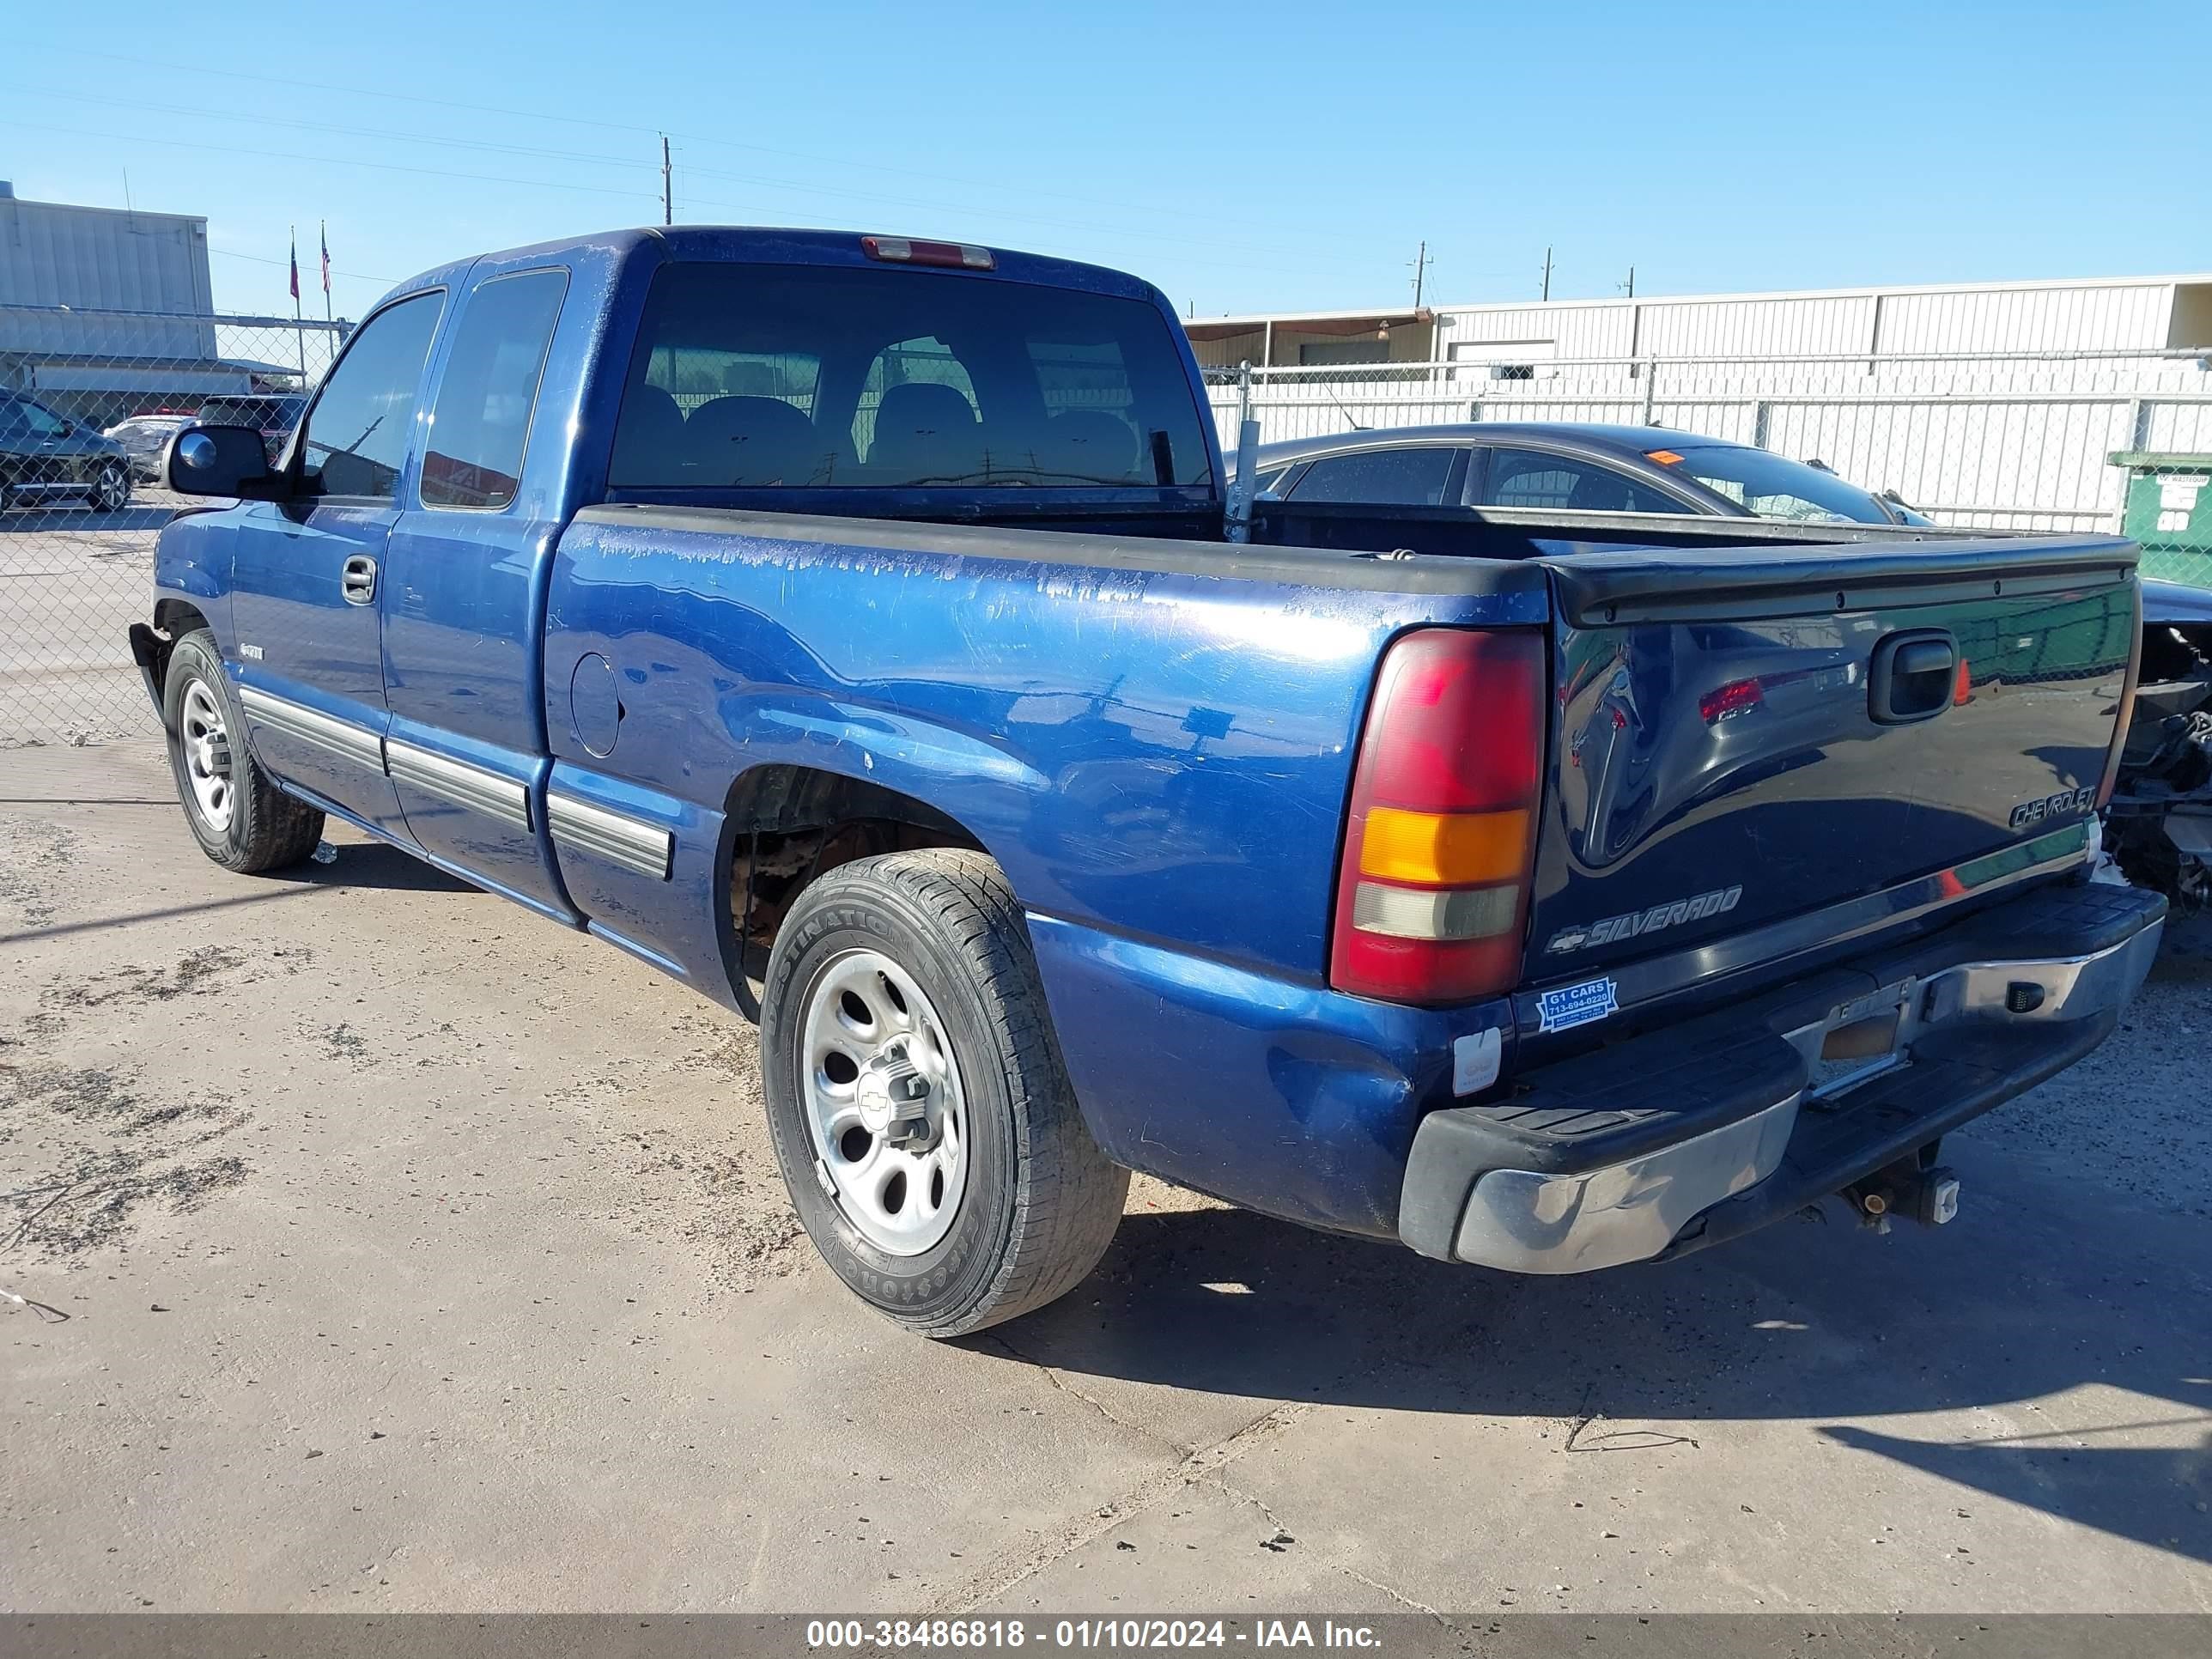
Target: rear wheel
[[111, 487], [241, 819], [916, 1098]]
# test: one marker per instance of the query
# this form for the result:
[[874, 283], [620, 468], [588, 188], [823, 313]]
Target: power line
[[1150, 210], [348, 162], [257, 118], [923, 204], [263, 259]]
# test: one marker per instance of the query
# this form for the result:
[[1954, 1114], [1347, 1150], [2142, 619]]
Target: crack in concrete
[[1012, 1567], [1326, 1558], [1060, 1383]]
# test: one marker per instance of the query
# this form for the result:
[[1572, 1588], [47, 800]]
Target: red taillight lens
[[1433, 893], [1737, 697]]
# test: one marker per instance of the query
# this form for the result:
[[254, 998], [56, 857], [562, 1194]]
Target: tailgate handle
[[1910, 675]]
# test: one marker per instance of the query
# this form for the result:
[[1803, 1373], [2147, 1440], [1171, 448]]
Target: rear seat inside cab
[[924, 432]]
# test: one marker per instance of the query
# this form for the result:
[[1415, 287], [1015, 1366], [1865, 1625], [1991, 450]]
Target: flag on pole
[[295, 264], [326, 258]]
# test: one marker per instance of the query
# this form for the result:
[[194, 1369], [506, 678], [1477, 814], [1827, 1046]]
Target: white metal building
[[102, 307], [1994, 403], [2115, 314]]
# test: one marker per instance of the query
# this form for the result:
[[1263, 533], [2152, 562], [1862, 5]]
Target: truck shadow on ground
[[1808, 1321], [48, 520], [378, 864], [371, 865]]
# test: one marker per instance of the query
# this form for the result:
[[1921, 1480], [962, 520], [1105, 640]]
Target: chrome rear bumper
[[1677, 1138]]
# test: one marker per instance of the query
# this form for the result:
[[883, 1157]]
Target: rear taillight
[[1727, 701], [903, 250], [1434, 889]]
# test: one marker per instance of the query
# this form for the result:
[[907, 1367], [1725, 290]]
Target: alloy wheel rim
[[113, 487], [205, 744], [885, 1104]]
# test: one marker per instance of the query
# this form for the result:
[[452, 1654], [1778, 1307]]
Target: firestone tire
[[241, 819], [1038, 1202]]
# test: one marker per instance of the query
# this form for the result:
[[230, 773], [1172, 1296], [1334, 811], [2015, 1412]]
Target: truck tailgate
[[1746, 735]]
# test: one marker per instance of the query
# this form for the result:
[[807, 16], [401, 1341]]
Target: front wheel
[[110, 488], [241, 819], [917, 1100]]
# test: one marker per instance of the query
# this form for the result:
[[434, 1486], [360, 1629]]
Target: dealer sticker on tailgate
[[1575, 1005]]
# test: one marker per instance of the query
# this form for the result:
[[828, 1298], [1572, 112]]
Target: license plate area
[[1859, 1040]]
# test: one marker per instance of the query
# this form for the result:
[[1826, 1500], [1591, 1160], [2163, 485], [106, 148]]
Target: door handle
[[1910, 676], [358, 579]]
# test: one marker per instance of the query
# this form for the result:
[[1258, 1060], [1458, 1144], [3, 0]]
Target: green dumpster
[[2169, 512]]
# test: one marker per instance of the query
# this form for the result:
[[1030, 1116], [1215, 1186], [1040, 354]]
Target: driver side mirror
[[223, 460]]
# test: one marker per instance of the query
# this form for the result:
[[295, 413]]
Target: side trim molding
[[580, 827], [334, 737], [457, 781]]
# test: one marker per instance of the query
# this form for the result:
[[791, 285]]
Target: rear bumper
[[1684, 1137]]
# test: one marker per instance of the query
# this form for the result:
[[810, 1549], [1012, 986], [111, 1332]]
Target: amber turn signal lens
[[1444, 849]]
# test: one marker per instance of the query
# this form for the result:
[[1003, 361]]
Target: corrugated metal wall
[[2122, 315], [152, 264]]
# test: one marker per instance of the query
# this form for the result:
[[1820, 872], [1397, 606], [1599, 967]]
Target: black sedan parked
[[48, 460], [1567, 467]]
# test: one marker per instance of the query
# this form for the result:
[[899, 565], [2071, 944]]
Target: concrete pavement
[[419, 1255]]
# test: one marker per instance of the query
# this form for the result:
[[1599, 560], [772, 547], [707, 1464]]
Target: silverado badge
[[1719, 902]]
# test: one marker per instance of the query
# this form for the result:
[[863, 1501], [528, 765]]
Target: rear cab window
[[480, 415], [790, 377]]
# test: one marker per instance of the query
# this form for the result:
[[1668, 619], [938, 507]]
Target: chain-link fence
[[2046, 442], [2024, 442], [90, 402]]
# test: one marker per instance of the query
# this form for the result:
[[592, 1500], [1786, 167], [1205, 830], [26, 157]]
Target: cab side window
[[357, 434], [480, 420]]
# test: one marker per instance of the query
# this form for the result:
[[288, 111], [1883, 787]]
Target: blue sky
[[1245, 158]]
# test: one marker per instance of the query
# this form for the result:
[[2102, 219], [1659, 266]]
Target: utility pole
[[668, 198], [1629, 287], [1547, 273], [1421, 264]]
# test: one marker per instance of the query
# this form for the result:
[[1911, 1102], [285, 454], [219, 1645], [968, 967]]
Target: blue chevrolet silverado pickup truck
[[854, 627]]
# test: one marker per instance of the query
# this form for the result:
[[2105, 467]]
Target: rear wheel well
[[784, 826]]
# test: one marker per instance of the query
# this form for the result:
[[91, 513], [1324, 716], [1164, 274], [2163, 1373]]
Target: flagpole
[[324, 227], [298, 324]]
